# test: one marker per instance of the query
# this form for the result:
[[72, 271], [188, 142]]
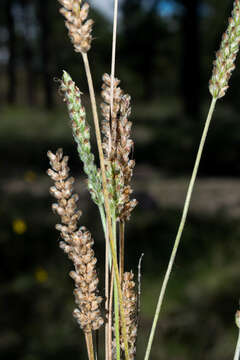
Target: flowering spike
[[225, 57], [77, 244], [81, 134], [79, 28]]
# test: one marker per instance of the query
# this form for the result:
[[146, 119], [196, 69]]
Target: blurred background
[[164, 60]]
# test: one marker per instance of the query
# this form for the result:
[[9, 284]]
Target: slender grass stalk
[[237, 350], [107, 324], [116, 322], [103, 219], [181, 227], [106, 198], [116, 300], [121, 248], [114, 44], [89, 342], [110, 314]]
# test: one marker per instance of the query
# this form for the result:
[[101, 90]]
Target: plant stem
[[106, 198], [181, 227], [114, 43], [116, 301], [237, 351], [116, 322], [121, 248], [89, 342], [110, 315], [103, 219]]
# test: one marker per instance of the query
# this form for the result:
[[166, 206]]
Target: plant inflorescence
[[110, 189]]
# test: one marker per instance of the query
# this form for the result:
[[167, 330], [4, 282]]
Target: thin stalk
[[116, 322], [89, 342], [114, 44], [103, 219], [110, 315], [237, 350], [116, 300], [121, 248], [97, 344], [181, 227], [106, 198]]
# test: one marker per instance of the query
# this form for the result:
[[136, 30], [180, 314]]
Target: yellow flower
[[19, 226], [30, 176], [41, 275]]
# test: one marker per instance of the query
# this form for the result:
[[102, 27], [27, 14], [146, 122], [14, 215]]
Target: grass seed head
[[81, 133], [79, 28], [226, 56], [76, 243]]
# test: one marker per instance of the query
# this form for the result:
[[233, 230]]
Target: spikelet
[[79, 28], [225, 57], [87, 313], [77, 244], [124, 148], [109, 123], [130, 311], [81, 134], [117, 147], [66, 206]]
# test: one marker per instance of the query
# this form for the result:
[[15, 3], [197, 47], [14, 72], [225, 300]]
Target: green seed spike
[[81, 134], [226, 56]]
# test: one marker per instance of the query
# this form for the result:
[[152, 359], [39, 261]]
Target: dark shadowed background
[[164, 59]]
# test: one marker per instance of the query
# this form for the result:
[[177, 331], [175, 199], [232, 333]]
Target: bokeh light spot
[[19, 226]]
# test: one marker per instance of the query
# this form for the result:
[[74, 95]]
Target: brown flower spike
[[118, 145], [77, 244], [130, 308], [79, 28]]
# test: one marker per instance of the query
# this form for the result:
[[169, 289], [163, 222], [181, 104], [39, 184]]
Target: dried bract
[[79, 28]]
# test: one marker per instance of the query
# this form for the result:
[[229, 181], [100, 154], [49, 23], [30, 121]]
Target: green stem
[[116, 299], [107, 323], [237, 351], [181, 227], [121, 248], [103, 219]]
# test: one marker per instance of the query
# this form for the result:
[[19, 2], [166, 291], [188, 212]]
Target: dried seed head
[[77, 244], [85, 277], [124, 148], [130, 307], [117, 146], [225, 57], [109, 124], [130, 311], [63, 192], [79, 28]]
